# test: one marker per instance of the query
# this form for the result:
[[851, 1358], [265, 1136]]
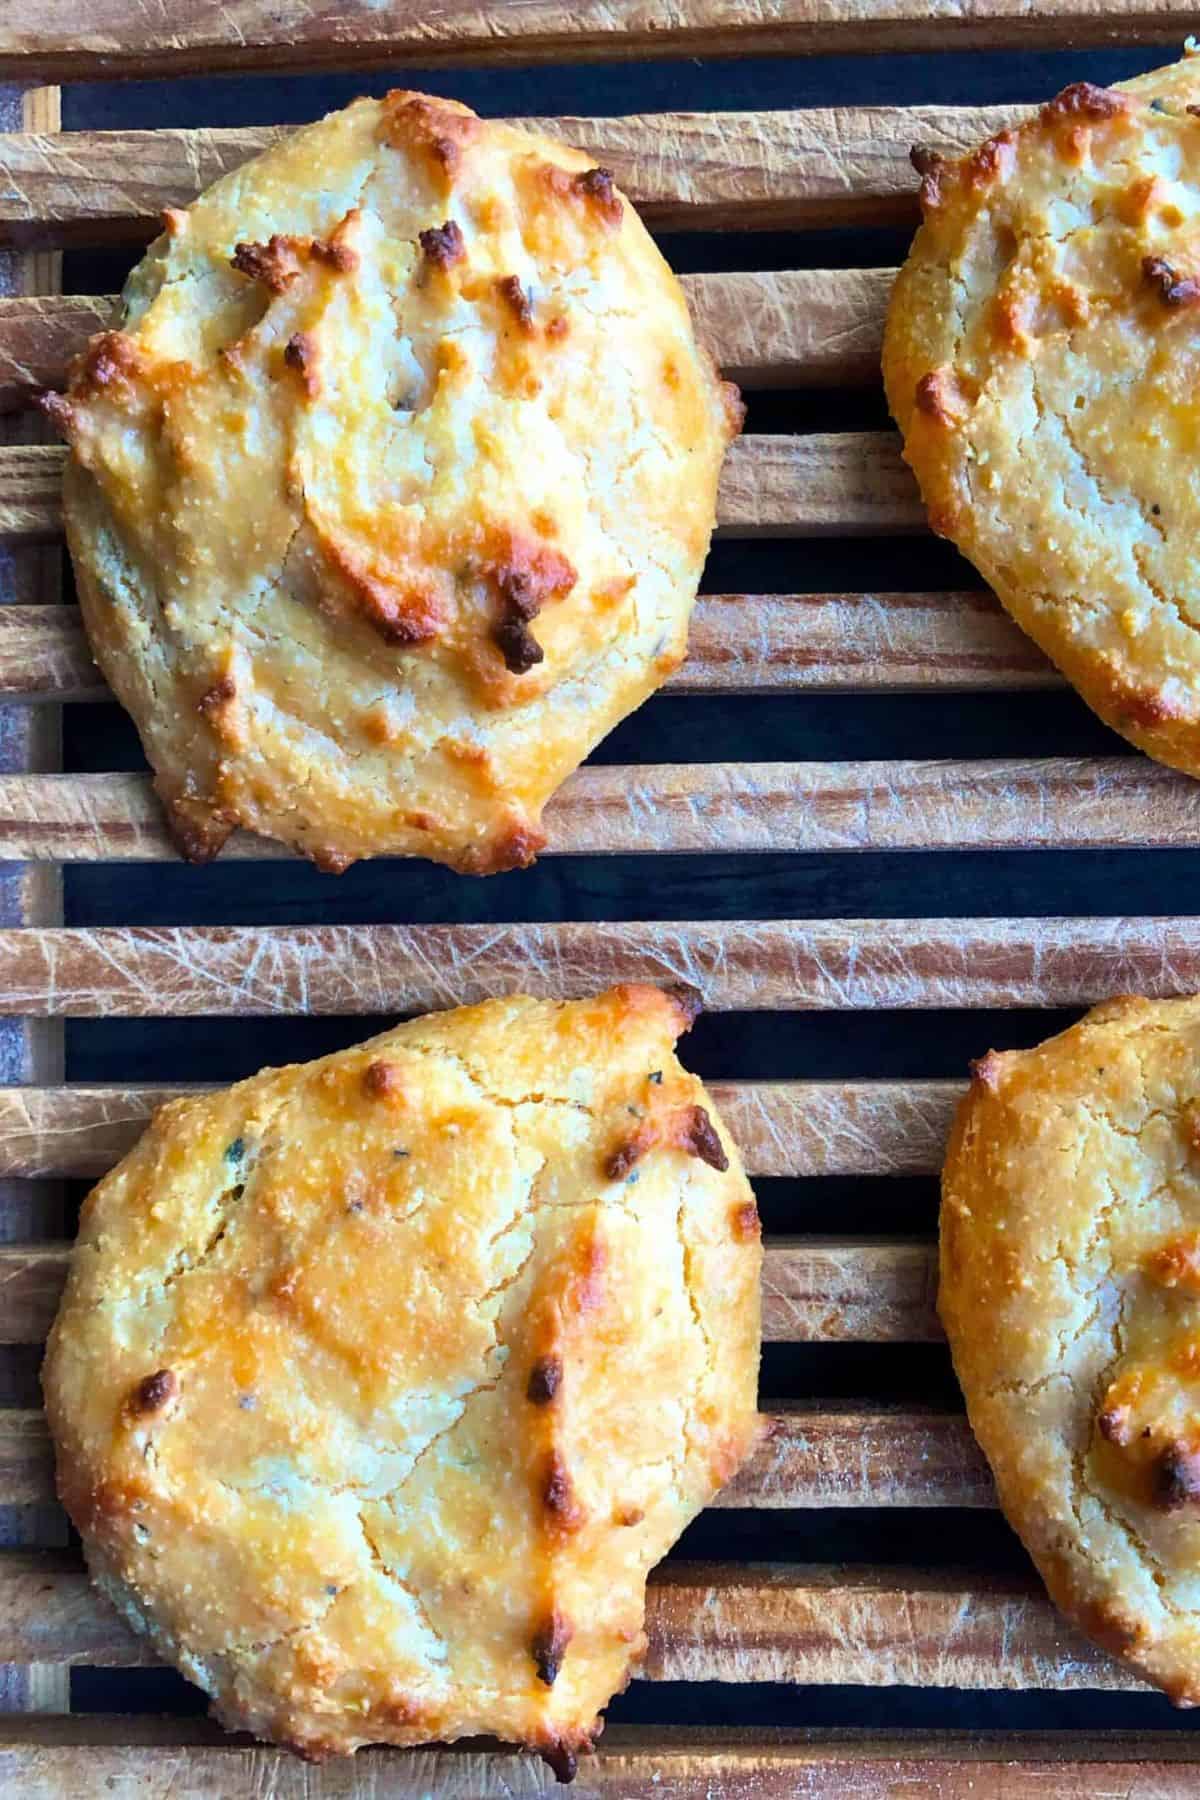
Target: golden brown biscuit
[[1042, 359], [1070, 1292], [392, 494], [381, 1382]]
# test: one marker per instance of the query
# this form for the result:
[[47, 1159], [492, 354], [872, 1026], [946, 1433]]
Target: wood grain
[[685, 171], [45, 40], [30, 492], [190, 1759], [1054, 803], [858, 1626], [44, 655], [26, 1461], [784, 965], [774, 328], [39, 334], [706, 1622], [781, 1127], [177, 1764], [850, 482], [33, 1049], [31, 1284], [814, 1456], [814, 1291], [738, 643]]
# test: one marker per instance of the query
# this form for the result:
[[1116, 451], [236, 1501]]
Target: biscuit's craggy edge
[[1041, 360], [376, 1394], [429, 455], [1070, 1268]]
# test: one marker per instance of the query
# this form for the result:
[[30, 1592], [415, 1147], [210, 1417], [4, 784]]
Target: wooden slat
[[1053, 803], [788, 965], [857, 1626], [814, 1456], [685, 171], [814, 1291], [188, 1759], [738, 643], [827, 483], [30, 492], [772, 328], [830, 1292], [26, 1461], [44, 655], [707, 1622], [39, 334], [31, 1284], [782, 1127], [33, 1050], [48, 40]]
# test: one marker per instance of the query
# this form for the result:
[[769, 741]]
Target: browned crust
[[1176, 1263], [108, 359], [1176, 1478], [689, 1004], [381, 1079], [549, 1646], [275, 264], [1145, 706], [197, 829], [545, 1379], [301, 354], [517, 300], [402, 616], [925, 159], [699, 1138], [688, 1129], [524, 575], [1173, 289], [597, 187], [439, 130], [217, 696], [516, 845], [744, 1222], [564, 1512], [1084, 100], [330, 862], [987, 1071], [629, 1153], [154, 1392], [993, 160], [279, 262], [57, 409], [940, 398], [560, 1759], [443, 246]]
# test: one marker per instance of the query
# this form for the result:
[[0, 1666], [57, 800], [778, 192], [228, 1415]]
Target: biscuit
[[391, 495], [1042, 359], [1070, 1293], [380, 1382]]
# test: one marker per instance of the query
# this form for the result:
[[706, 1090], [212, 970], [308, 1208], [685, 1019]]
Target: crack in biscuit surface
[[1065, 469], [434, 1399], [1071, 1203], [427, 543]]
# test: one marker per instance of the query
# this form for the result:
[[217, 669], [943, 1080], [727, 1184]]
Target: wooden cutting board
[[787, 334]]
